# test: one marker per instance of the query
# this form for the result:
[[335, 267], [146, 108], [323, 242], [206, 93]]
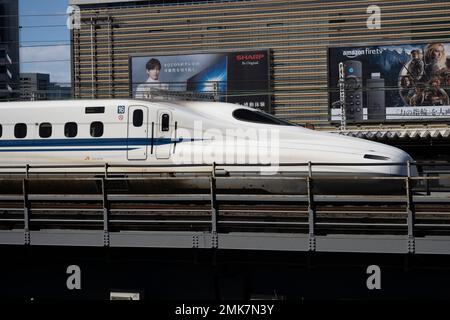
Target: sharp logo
[[250, 57]]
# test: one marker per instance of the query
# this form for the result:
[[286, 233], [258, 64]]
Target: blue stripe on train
[[66, 149], [116, 144], [87, 142]]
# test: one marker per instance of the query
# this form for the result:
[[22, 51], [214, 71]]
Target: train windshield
[[259, 117]]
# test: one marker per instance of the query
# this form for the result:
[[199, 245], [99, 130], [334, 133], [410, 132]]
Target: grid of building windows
[[297, 32]]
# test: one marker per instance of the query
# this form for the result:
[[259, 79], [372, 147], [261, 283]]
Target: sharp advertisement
[[236, 77], [398, 83]]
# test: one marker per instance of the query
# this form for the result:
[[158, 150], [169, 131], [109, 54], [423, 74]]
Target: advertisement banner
[[398, 83], [236, 77]]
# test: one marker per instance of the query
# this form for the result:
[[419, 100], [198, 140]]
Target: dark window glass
[[259, 117], [45, 130], [95, 109], [165, 121], [138, 118], [20, 130], [96, 129], [1, 130], [376, 157], [70, 129]]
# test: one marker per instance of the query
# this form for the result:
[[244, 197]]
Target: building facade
[[37, 86], [34, 86], [298, 34], [9, 50]]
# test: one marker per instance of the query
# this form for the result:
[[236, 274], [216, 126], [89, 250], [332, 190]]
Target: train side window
[[20, 130], [96, 129], [45, 130], [165, 122], [138, 118], [1, 130], [70, 129]]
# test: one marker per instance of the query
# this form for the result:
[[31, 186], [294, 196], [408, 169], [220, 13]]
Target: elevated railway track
[[108, 213]]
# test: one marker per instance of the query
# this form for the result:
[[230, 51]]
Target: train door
[[137, 138], [164, 134]]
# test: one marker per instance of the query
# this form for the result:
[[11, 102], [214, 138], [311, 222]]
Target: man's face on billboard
[[435, 83], [416, 55], [154, 73]]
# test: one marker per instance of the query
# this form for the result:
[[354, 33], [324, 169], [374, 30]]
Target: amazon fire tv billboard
[[237, 77], [398, 83]]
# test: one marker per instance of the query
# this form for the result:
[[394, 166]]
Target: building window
[[45, 130], [20, 130], [138, 118], [70, 129], [96, 129]]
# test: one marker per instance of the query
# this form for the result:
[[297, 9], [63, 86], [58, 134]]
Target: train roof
[[109, 102], [210, 108], [70, 103]]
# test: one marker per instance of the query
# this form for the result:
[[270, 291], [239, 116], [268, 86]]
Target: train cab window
[[20, 130], [138, 118], [96, 129], [259, 117], [165, 122], [45, 130], [70, 129]]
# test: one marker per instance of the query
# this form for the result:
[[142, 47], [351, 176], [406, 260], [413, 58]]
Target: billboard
[[237, 77], [398, 83]]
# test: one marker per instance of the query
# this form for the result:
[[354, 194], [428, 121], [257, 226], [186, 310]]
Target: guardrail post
[[214, 236], [410, 211], [427, 183], [106, 170], [311, 210], [26, 213], [105, 214], [195, 241]]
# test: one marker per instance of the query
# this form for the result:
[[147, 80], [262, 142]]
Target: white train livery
[[182, 132]]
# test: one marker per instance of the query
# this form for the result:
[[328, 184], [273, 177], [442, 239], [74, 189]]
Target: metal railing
[[416, 211]]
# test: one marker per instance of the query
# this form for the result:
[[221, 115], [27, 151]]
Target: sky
[[45, 38]]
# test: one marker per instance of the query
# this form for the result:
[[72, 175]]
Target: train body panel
[[124, 132]]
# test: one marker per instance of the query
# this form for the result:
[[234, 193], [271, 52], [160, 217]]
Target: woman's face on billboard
[[437, 53]]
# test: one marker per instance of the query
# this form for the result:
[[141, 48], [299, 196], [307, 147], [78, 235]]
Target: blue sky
[[42, 42]]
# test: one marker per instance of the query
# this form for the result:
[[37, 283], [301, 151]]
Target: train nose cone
[[406, 165]]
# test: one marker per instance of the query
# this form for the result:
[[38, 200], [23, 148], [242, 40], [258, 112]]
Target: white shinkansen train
[[123, 132]]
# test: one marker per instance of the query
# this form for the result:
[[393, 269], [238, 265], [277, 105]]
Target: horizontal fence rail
[[194, 207]]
